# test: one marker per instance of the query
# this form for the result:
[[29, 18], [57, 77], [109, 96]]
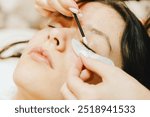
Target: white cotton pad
[[80, 49]]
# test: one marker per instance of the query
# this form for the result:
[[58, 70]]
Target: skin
[[36, 79], [124, 87], [46, 7]]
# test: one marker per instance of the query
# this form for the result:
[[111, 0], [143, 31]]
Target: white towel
[[7, 86]]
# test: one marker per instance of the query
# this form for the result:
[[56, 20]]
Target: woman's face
[[45, 64]]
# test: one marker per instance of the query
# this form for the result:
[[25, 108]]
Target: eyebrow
[[98, 32]]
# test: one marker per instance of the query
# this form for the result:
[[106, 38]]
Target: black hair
[[147, 25], [135, 43]]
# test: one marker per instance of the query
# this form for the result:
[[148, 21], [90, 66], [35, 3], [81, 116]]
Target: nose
[[60, 37]]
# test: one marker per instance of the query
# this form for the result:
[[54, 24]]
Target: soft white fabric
[[7, 86]]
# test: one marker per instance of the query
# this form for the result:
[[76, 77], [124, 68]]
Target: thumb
[[76, 85], [93, 62], [58, 6], [97, 67]]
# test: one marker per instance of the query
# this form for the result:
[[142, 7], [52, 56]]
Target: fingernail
[[74, 10]]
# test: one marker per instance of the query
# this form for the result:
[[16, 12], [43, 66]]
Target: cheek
[[29, 73], [38, 80], [73, 60]]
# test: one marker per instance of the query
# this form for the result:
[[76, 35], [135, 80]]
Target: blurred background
[[22, 14], [19, 14]]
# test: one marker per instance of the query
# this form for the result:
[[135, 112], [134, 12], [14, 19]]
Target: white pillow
[[7, 86]]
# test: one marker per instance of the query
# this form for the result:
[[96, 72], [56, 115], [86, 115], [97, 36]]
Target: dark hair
[[147, 25], [135, 44]]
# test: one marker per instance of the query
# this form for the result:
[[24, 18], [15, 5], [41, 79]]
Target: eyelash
[[51, 26], [88, 47]]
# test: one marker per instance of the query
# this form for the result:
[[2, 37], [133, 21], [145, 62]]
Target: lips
[[41, 55]]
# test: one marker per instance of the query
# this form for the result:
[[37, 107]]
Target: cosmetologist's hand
[[116, 84], [65, 7]]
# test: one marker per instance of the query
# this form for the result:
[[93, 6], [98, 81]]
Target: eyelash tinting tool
[[80, 28]]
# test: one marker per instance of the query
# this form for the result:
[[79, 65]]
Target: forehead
[[102, 17], [98, 14]]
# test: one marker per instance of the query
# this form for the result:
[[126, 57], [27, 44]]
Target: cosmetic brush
[[80, 28]]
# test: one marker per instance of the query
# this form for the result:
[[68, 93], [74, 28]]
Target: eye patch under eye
[[80, 49], [88, 47]]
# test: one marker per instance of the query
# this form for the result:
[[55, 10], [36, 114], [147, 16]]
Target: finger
[[85, 74], [78, 87], [43, 12], [70, 5], [75, 84], [75, 70], [44, 4], [98, 67], [67, 93], [56, 4]]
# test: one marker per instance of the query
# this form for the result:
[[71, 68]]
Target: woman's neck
[[22, 95]]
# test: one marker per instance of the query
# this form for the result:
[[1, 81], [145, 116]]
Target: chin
[[37, 89], [37, 81]]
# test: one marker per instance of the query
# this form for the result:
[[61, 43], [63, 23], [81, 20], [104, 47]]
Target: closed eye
[[55, 25], [51, 26], [88, 47]]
